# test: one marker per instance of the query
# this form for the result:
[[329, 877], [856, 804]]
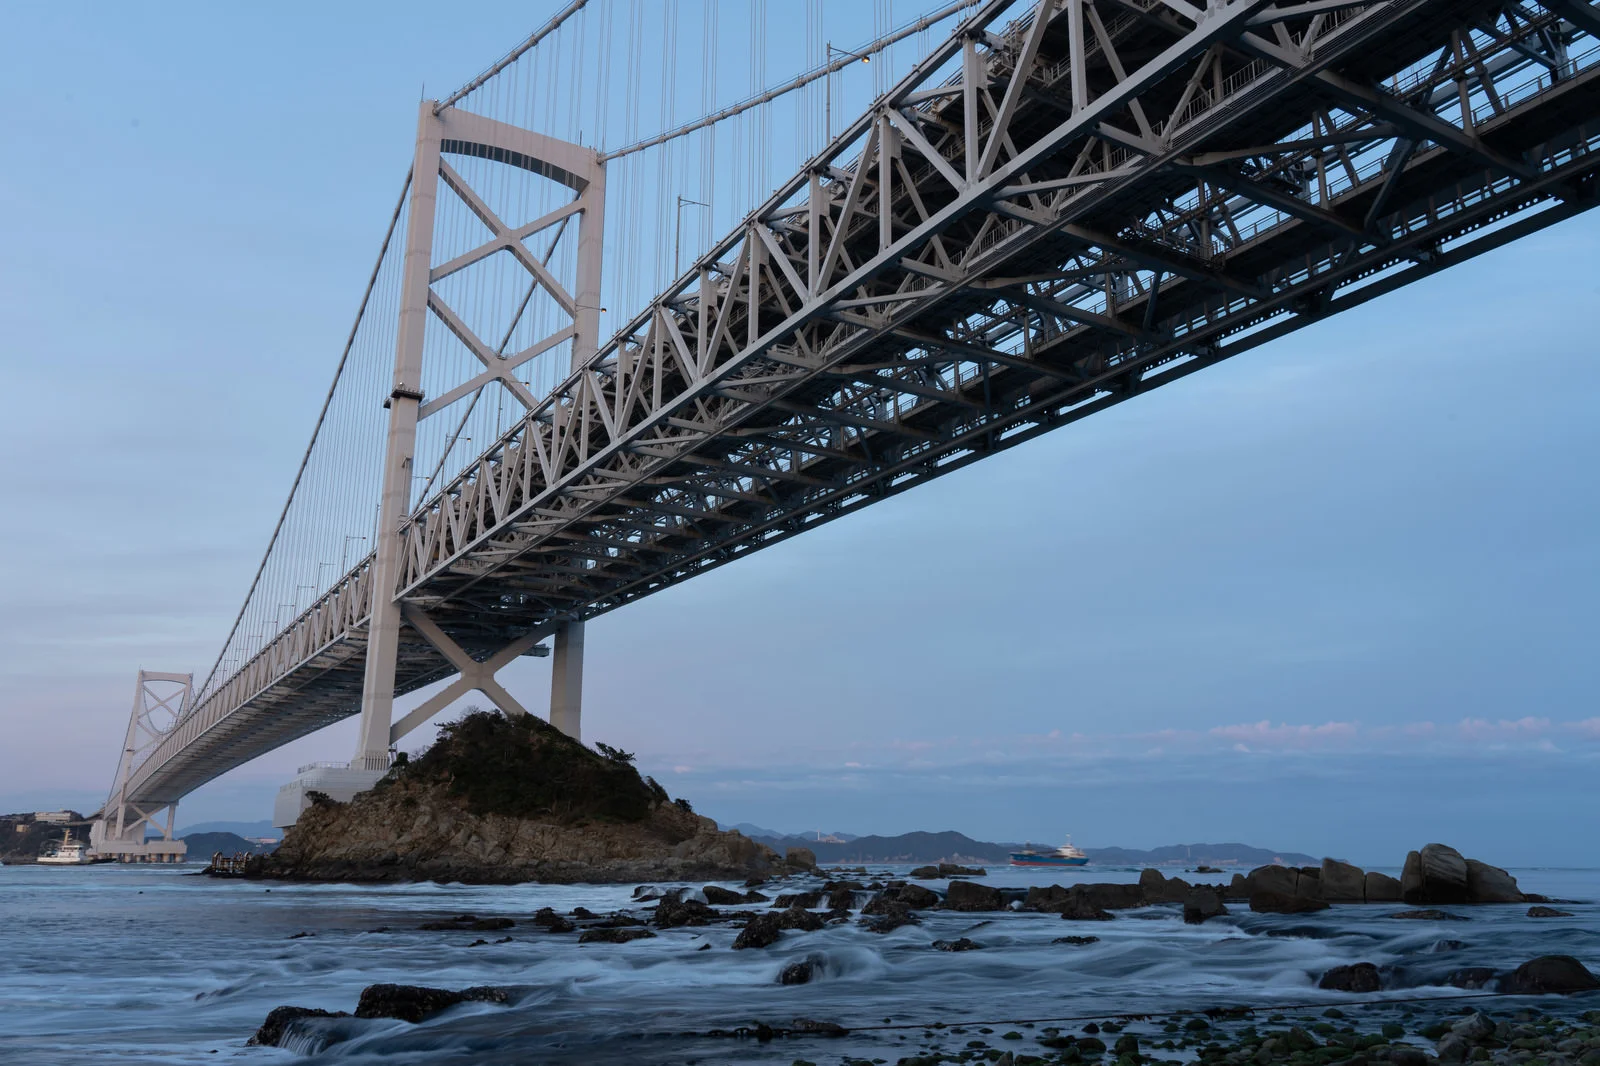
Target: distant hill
[[958, 847], [907, 847], [204, 845], [263, 828], [756, 832]]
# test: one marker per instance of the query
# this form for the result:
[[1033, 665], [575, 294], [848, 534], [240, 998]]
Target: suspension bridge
[[1053, 207]]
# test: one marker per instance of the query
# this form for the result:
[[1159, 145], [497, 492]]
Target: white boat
[[67, 852]]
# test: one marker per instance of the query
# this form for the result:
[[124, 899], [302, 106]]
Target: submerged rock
[[891, 916], [1076, 941], [1428, 914], [279, 1019], [673, 914], [1549, 974], [1471, 977], [800, 973], [413, 1003], [614, 934], [1361, 977], [961, 944], [548, 919], [761, 931], [1547, 912]]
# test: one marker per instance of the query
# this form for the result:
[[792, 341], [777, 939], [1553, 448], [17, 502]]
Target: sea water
[[130, 964]]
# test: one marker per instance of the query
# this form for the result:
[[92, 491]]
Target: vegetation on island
[[522, 767]]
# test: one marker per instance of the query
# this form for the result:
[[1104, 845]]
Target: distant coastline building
[[57, 817]]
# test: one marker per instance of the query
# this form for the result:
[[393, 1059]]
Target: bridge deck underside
[[966, 343]]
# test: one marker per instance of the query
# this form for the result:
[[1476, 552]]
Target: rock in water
[[412, 1003], [761, 931], [1547, 912], [498, 800], [962, 944], [1490, 884], [800, 858], [280, 1018], [673, 913], [1283, 880], [1203, 902], [1381, 888], [1110, 897], [1278, 903], [718, 896], [799, 973], [1342, 882], [1549, 974], [971, 896], [614, 935], [1361, 977], [1436, 874], [1158, 888], [882, 916]]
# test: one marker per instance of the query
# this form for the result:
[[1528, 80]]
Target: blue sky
[[1334, 595]]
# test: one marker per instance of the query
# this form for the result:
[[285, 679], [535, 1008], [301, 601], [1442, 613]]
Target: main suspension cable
[[315, 432], [788, 87], [512, 56]]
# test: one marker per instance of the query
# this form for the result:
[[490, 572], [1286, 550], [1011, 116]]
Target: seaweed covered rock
[[502, 800]]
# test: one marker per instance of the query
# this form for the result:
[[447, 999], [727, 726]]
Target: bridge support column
[[445, 134], [383, 639], [566, 681]]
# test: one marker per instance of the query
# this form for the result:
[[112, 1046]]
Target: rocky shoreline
[[799, 902]]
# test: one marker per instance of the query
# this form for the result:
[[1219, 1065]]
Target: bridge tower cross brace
[[443, 132]]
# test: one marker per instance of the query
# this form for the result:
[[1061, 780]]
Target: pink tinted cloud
[[1265, 735], [1505, 730]]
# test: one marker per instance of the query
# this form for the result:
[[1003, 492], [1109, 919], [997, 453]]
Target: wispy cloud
[[1266, 738]]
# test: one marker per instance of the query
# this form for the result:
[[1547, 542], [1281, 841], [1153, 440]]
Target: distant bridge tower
[[119, 831]]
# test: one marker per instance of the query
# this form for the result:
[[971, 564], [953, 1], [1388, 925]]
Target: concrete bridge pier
[[566, 681]]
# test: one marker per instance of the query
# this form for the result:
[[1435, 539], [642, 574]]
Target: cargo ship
[[1065, 855]]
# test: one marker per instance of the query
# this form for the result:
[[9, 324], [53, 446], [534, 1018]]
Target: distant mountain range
[[951, 846], [204, 845], [262, 828], [750, 829]]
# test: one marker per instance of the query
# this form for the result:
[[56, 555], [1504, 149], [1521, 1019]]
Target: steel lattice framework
[[1103, 197]]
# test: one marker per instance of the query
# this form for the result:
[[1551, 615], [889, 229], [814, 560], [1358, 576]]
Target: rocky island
[[498, 800]]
